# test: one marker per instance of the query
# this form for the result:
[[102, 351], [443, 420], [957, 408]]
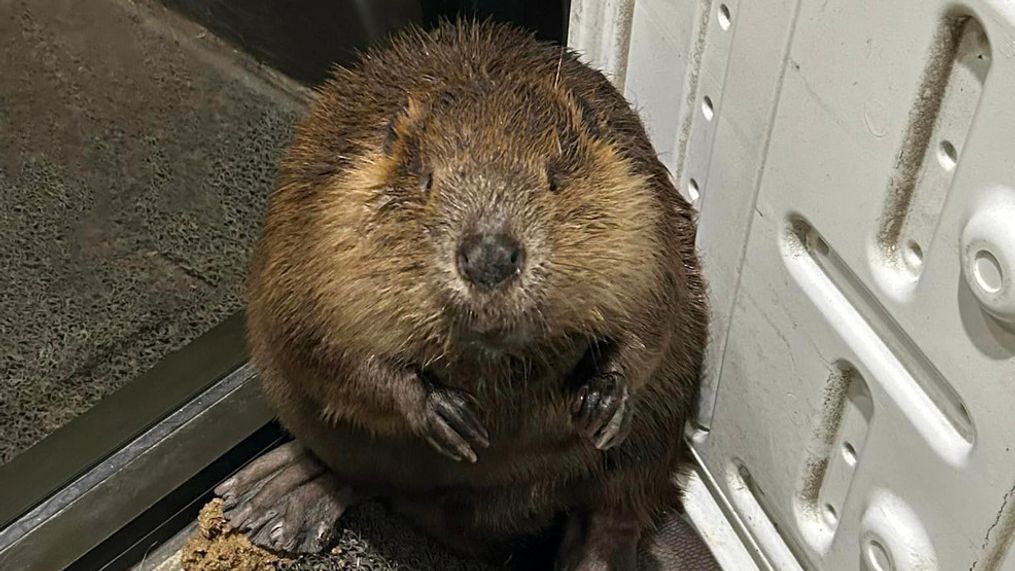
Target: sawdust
[[368, 540], [217, 547]]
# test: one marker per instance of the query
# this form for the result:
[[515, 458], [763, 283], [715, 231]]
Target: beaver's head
[[498, 213]]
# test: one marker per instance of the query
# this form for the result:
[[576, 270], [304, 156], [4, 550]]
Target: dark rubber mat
[[136, 153], [368, 541], [371, 540]]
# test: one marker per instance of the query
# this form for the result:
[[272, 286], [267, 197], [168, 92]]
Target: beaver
[[476, 296]]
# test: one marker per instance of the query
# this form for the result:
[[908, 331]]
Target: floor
[[367, 541], [135, 158], [371, 541]]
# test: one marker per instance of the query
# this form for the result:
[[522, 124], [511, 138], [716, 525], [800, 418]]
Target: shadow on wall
[[305, 38]]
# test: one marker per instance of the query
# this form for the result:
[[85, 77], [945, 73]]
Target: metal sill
[[173, 517], [73, 491]]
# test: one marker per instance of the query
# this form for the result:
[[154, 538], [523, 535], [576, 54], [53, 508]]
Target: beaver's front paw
[[449, 423], [602, 410]]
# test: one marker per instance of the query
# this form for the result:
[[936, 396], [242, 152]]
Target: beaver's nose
[[490, 260]]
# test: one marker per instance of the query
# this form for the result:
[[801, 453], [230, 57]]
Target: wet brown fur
[[353, 285]]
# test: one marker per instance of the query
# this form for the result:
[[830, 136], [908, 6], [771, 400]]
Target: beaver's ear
[[583, 126], [400, 124], [587, 118]]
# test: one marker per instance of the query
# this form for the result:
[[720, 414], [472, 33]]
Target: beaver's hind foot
[[286, 501]]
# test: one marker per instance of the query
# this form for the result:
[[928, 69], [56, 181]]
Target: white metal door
[[854, 164]]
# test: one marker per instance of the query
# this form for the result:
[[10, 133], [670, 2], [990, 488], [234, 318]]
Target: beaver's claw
[[602, 411], [450, 425]]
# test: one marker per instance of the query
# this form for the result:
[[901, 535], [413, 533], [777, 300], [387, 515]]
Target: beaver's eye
[[553, 181], [426, 182]]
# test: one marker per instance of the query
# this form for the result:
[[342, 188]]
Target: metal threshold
[[91, 479]]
